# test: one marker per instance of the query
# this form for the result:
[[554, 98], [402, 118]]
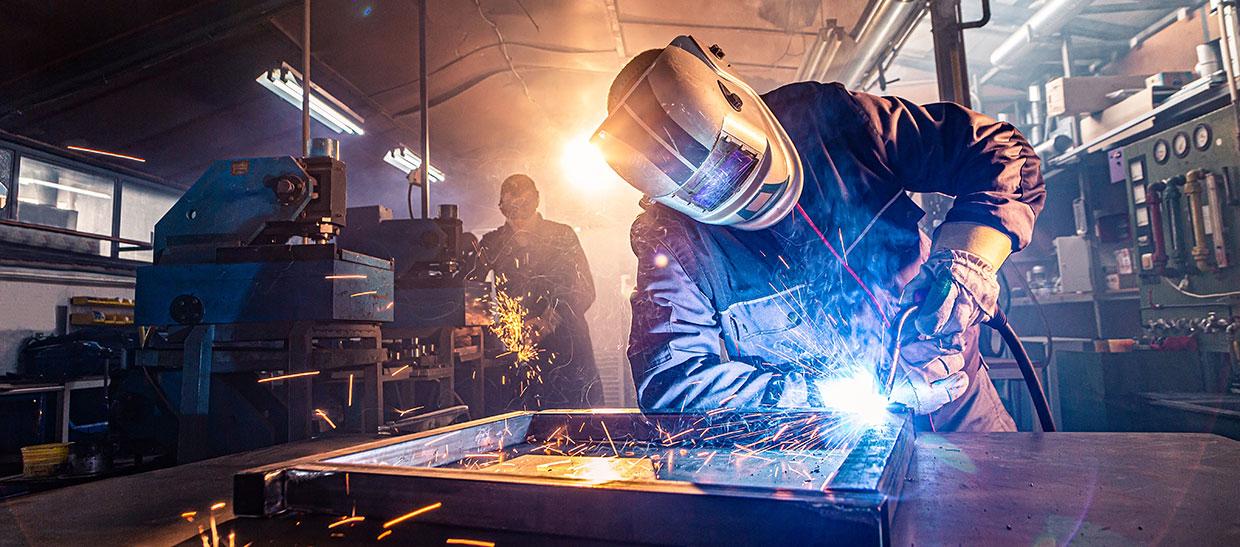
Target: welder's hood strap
[[693, 136]]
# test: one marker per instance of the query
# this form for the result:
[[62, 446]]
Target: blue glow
[[855, 396]]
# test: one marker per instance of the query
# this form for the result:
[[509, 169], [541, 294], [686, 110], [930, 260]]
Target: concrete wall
[[29, 297]]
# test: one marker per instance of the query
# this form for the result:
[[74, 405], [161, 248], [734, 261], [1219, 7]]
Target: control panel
[[1184, 213]]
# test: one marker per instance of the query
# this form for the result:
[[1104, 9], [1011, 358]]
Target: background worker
[[542, 263], [777, 237]]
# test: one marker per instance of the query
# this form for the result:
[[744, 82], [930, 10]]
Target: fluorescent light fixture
[[401, 158], [106, 153], [285, 82], [65, 187]]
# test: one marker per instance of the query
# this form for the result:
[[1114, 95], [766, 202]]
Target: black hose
[[1000, 324]]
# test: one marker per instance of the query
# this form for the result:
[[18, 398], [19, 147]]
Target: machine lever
[[1175, 225], [1218, 235], [1193, 188], [1154, 200]]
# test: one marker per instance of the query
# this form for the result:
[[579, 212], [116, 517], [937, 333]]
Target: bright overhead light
[[583, 164], [401, 158], [65, 187], [106, 153], [285, 82]]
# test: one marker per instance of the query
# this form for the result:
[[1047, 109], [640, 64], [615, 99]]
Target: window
[[141, 207], [64, 198], [6, 175]]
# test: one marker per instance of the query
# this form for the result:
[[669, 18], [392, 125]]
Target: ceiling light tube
[[65, 187], [285, 82], [401, 158]]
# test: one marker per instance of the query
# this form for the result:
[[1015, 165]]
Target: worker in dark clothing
[[778, 239], [542, 263]]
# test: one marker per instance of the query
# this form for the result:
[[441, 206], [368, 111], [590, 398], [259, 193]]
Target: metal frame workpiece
[[615, 476]]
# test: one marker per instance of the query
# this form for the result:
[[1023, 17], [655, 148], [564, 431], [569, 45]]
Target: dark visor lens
[[723, 173]]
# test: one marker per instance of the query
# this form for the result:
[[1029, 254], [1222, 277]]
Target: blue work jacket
[[748, 319]]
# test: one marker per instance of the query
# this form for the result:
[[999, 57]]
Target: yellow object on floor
[[44, 460]]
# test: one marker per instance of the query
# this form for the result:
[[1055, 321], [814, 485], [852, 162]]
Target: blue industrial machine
[[435, 340], [261, 326]]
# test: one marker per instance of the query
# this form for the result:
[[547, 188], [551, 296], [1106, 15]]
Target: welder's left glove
[[954, 291]]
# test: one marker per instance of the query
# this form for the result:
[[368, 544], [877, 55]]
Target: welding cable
[[895, 348], [999, 322]]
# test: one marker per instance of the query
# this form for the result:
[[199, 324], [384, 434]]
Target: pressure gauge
[[1179, 144], [1162, 151], [1202, 135]]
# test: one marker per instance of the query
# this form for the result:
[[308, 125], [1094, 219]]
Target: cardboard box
[[1098, 124], [1086, 94]]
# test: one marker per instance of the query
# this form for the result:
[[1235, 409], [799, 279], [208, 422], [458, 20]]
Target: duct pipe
[[1053, 16], [882, 24]]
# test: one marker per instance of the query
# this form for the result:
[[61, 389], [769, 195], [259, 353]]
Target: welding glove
[[955, 290], [925, 389], [542, 326]]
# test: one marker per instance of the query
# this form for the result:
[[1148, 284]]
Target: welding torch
[[998, 321]]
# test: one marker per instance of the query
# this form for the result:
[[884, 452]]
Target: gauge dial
[[1202, 135], [1162, 151], [1179, 144]]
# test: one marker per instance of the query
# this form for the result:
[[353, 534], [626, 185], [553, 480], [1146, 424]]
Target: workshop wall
[[29, 305]]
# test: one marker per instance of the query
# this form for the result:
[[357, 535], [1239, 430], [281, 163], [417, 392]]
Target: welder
[[542, 263], [778, 238]]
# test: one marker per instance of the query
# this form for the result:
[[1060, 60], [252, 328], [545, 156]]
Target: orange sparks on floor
[[346, 520], [609, 441], [363, 293], [350, 390], [463, 541], [386, 533], [321, 414], [412, 514], [218, 506], [189, 515], [287, 376]]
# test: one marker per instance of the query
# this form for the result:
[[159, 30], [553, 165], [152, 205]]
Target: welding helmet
[[689, 134]]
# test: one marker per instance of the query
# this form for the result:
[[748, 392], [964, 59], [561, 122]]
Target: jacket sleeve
[[987, 165], [675, 345], [581, 293]]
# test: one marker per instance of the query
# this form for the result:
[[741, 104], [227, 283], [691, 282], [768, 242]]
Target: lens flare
[[583, 165]]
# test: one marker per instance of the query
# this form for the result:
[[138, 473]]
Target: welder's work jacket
[[545, 267], [747, 319]]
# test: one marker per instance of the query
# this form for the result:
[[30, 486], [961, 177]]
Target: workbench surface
[[972, 489]]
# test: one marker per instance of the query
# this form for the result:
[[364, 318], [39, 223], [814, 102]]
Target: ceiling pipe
[[873, 36], [1045, 22]]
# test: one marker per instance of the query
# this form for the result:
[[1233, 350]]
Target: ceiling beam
[[133, 51], [684, 24]]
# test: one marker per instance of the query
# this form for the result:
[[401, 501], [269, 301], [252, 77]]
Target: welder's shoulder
[[660, 227], [827, 105], [558, 232]]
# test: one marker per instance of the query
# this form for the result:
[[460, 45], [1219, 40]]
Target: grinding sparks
[[412, 514], [475, 542], [345, 276], [323, 415], [218, 506], [346, 520], [363, 293], [512, 329], [287, 376]]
